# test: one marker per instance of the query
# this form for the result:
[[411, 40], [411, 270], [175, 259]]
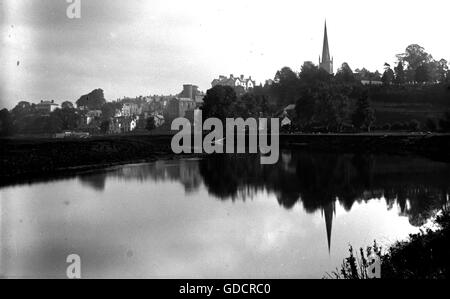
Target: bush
[[423, 256], [386, 127]]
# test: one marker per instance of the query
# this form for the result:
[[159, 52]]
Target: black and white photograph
[[225, 140]]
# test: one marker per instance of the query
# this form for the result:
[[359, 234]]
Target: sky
[[137, 47]]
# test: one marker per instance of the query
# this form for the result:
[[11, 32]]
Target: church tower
[[327, 62]]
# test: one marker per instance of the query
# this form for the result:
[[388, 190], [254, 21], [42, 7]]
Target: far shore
[[26, 159]]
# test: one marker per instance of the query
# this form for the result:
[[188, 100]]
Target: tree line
[[340, 102]]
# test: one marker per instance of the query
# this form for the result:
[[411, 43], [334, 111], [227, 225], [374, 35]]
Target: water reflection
[[417, 186], [220, 217]]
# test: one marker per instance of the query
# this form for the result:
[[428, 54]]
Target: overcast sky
[[137, 47]]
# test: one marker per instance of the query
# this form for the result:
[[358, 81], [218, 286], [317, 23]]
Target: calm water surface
[[221, 217]]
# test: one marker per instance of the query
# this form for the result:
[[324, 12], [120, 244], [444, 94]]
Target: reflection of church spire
[[328, 211]]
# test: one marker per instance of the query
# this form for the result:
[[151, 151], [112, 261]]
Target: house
[[287, 115], [159, 120], [370, 82], [91, 115], [46, 107], [129, 124], [246, 83], [130, 109], [114, 126], [286, 122], [289, 111], [122, 124]]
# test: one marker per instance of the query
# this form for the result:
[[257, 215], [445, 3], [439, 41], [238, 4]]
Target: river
[[219, 217]]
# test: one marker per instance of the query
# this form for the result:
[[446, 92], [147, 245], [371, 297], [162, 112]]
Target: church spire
[[327, 62], [326, 49]]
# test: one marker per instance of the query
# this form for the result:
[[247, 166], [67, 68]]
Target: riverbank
[[26, 159], [434, 146]]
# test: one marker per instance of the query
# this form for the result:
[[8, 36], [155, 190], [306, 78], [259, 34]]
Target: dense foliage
[[422, 256]]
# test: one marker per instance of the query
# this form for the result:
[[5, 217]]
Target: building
[[326, 63], [188, 100], [286, 121], [191, 92], [46, 107], [269, 82], [131, 109], [114, 126], [371, 82], [178, 107], [129, 124], [158, 119], [246, 83], [118, 125], [92, 115]]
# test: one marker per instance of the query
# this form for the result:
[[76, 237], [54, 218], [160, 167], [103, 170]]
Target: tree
[[109, 109], [104, 126], [311, 74], [93, 101], [326, 114], [364, 115], [23, 108], [285, 76], [53, 124], [399, 74], [219, 102], [323, 105], [442, 70], [421, 67], [67, 105], [414, 57], [365, 74], [422, 74], [68, 118], [285, 88], [249, 105], [150, 126], [305, 108], [388, 76], [345, 74], [6, 123]]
